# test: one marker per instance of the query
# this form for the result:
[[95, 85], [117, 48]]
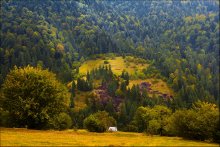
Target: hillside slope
[[154, 84], [182, 37]]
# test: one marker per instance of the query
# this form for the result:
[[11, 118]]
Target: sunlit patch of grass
[[117, 64], [89, 65], [25, 137], [157, 84]]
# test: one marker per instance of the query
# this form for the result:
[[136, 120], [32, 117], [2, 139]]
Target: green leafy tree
[[153, 120], [141, 118], [200, 122], [159, 115], [62, 121], [33, 97]]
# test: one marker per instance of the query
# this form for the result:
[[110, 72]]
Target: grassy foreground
[[25, 137]]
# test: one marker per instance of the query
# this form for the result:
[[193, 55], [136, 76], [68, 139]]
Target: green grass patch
[[118, 64]]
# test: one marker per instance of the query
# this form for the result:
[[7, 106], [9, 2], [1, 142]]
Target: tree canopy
[[33, 97]]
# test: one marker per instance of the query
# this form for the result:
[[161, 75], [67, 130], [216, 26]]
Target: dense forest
[[180, 39]]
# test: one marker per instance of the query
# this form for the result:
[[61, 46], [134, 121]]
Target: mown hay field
[[26, 137]]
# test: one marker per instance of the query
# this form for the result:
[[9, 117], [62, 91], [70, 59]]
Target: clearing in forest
[[157, 86], [133, 66], [118, 64]]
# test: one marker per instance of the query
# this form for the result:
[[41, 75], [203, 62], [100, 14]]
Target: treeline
[[34, 98], [200, 122], [137, 112]]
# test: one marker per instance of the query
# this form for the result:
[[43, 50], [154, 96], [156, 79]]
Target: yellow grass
[[24, 137], [159, 85], [118, 65], [89, 65]]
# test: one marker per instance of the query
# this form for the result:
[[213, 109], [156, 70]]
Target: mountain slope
[[181, 37]]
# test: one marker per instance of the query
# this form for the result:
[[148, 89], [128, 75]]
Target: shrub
[[141, 75], [106, 62], [99, 122], [111, 55], [94, 125], [131, 128], [62, 121]]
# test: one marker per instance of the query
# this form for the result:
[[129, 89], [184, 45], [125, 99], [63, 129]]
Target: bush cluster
[[201, 122], [99, 122]]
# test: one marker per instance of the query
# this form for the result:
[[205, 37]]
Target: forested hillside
[[143, 66], [181, 37]]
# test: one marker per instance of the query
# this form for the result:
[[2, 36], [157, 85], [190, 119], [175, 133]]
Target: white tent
[[112, 129]]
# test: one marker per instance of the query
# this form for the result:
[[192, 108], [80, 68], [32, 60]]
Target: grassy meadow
[[118, 64], [25, 137], [157, 84]]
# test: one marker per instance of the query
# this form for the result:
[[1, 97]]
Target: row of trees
[[33, 98], [200, 122]]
